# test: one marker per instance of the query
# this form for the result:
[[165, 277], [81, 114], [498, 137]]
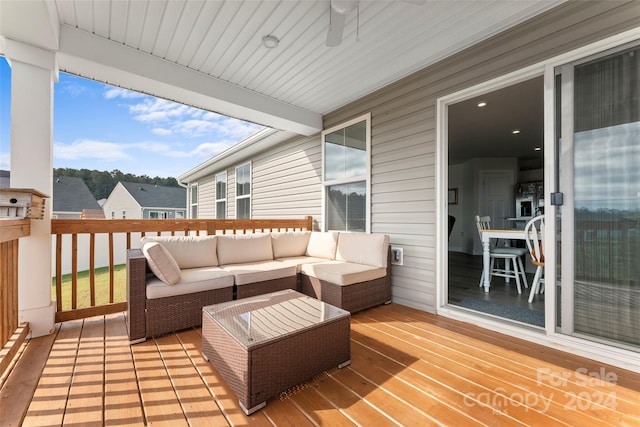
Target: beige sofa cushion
[[299, 261], [161, 263], [363, 248], [189, 251], [289, 243], [343, 273], [260, 271], [242, 248], [193, 280], [322, 244]]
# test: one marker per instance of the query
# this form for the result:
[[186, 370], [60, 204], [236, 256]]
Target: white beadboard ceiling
[[221, 40]]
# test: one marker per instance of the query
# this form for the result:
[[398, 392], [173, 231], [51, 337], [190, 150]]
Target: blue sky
[[101, 127]]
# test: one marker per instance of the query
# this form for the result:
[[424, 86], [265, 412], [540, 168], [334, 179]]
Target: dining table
[[486, 236]]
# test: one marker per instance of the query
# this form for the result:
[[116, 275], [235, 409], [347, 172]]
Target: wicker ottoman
[[266, 344]]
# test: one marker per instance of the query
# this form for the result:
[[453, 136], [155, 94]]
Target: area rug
[[519, 314]]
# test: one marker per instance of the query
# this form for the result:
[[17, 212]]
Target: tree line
[[101, 183]]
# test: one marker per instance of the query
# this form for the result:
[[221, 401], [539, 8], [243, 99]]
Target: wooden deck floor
[[408, 368]]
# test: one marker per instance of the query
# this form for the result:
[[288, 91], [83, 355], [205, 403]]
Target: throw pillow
[[161, 263]]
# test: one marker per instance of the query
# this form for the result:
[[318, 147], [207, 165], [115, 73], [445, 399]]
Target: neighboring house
[[145, 201], [73, 199], [381, 163], [4, 178]]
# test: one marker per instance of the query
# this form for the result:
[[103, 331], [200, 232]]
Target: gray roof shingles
[[71, 194], [156, 196]]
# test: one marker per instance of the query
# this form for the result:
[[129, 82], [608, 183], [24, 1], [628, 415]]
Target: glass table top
[[262, 318]]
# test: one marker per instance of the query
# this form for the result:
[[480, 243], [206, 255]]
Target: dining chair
[[508, 255], [534, 233]]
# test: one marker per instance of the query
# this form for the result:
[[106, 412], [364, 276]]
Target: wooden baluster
[[74, 271], [92, 269]]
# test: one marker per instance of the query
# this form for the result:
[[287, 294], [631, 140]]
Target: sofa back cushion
[[322, 244], [242, 248], [363, 248], [161, 262], [289, 243], [189, 251]]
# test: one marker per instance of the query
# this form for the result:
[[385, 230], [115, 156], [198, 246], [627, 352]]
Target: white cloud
[[210, 149], [238, 129], [155, 147], [194, 128], [117, 92], [86, 149], [189, 121], [161, 131], [159, 110], [71, 88]]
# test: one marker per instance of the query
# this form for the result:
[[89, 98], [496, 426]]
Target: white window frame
[[192, 204], [179, 215], [352, 179], [244, 196], [219, 200]]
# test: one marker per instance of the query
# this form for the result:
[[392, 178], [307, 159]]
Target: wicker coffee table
[[266, 344]]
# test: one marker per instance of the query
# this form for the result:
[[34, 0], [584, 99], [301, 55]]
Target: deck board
[[122, 405], [18, 391], [50, 397], [84, 404], [408, 368]]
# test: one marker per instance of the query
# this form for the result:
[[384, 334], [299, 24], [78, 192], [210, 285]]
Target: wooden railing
[[68, 232], [11, 333]]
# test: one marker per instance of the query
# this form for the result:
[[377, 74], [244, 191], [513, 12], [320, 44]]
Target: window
[[113, 214], [243, 191], [221, 195], [194, 200], [179, 215], [346, 175], [124, 214], [158, 215]]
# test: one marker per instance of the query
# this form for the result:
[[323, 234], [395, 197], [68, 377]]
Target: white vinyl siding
[[120, 204], [287, 180], [206, 197]]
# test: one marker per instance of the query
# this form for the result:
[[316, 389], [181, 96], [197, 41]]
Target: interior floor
[[464, 277]]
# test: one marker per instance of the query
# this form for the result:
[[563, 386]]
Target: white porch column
[[33, 72]]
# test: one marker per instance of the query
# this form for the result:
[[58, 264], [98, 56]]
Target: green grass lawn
[[101, 286]]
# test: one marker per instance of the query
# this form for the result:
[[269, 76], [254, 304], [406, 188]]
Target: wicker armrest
[[136, 295]]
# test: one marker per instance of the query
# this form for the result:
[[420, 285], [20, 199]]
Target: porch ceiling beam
[[95, 57], [31, 22]]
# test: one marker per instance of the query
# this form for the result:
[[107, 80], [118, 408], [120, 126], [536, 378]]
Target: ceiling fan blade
[[336, 28]]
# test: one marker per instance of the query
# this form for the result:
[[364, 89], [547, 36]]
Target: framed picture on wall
[[453, 196]]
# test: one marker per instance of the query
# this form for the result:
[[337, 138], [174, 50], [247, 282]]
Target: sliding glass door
[[598, 104]]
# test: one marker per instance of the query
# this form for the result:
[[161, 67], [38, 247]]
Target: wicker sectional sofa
[[171, 278]]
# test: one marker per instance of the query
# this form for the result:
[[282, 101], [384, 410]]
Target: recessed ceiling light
[[515, 131], [538, 148], [482, 104], [270, 42]]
